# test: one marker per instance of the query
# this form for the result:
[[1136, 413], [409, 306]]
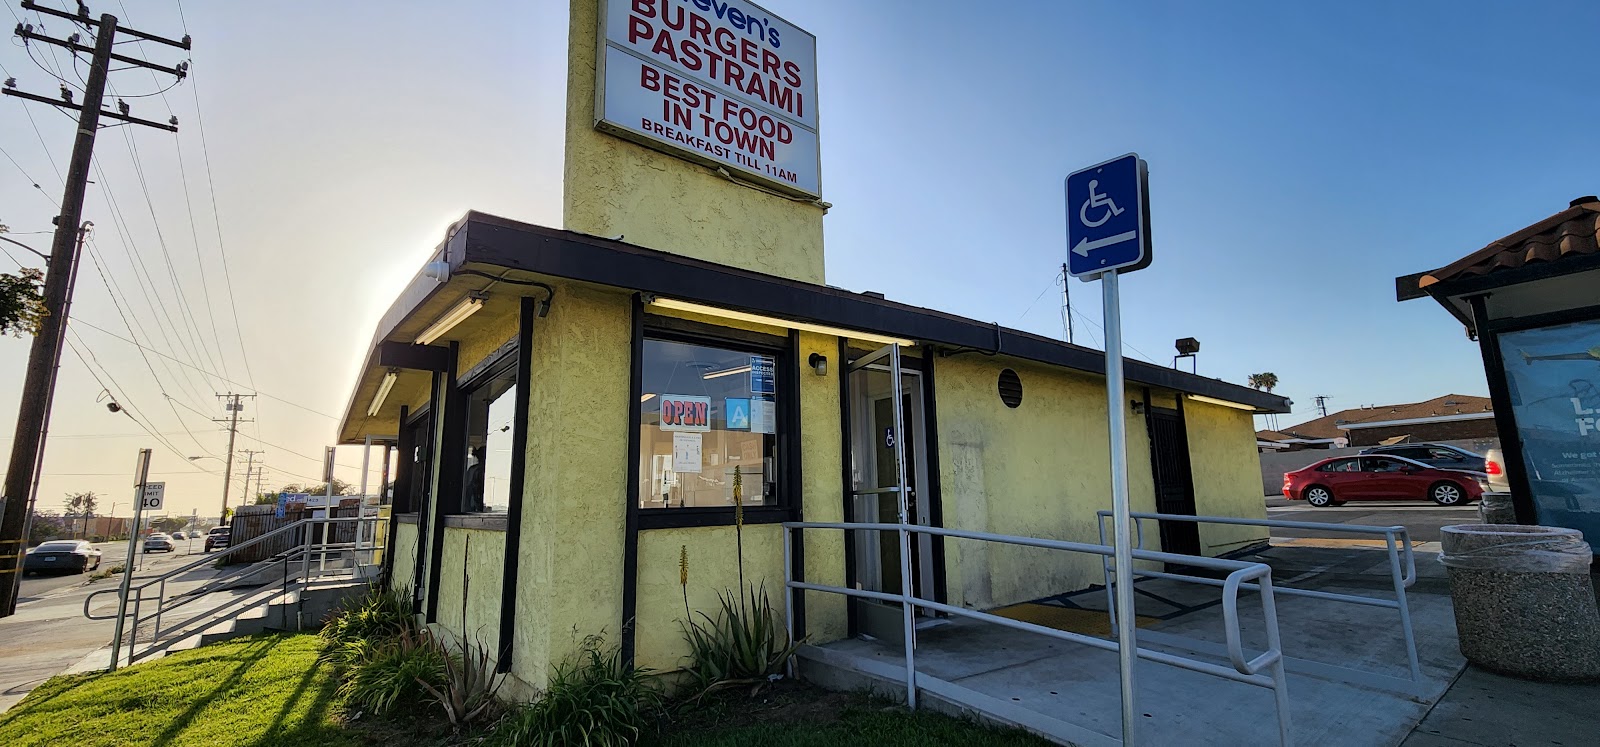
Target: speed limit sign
[[154, 495]]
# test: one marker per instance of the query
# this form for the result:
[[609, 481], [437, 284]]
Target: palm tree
[[1267, 381]]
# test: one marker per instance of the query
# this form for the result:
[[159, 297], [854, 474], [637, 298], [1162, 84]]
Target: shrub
[[593, 699], [379, 613], [384, 674], [744, 645], [469, 686]]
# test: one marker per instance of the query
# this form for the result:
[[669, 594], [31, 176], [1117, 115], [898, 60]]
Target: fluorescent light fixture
[[456, 315], [384, 386], [726, 372], [646, 398], [668, 303], [1222, 402]]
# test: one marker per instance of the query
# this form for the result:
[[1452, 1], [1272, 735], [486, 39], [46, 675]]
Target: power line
[[31, 180], [227, 381]]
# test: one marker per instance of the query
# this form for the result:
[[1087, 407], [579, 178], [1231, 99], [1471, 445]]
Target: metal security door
[[880, 491], [1169, 460]]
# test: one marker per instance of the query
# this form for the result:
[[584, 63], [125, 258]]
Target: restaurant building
[[571, 412]]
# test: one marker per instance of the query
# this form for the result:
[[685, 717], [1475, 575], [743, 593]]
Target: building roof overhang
[[487, 242]]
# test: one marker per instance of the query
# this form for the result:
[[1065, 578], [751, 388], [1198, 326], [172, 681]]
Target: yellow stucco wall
[[822, 454], [713, 569], [615, 187], [470, 573], [404, 553], [1039, 470], [570, 572], [1227, 473]]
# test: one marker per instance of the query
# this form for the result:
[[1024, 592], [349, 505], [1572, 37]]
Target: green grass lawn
[[270, 691], [800, 715], [260, 691]]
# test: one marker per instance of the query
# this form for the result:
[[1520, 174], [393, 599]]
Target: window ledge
[[487, 522], [411, 518]]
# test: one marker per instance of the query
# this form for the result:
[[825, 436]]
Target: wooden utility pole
[[233, 406], [45, 354], [249, 472]]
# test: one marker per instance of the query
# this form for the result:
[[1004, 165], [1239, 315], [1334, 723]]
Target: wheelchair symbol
[[1097, 200]]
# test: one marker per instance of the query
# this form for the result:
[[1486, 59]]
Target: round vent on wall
[[1010, 388]]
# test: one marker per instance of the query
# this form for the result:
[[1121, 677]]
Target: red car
[[1331, 482]]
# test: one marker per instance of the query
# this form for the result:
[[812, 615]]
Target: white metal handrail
[[309, 545], [1240, 574], [1402, 573]]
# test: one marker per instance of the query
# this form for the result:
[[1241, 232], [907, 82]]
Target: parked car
[[1331, 482], [61, 556], [159, 542], [1443, 456], [218, 537], [1494, 472]]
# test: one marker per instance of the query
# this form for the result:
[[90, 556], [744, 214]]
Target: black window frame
[[500, 363], [787, 452]]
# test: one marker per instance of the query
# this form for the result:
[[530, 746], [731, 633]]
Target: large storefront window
[[490, 417], [707, 416], [1553, 374]]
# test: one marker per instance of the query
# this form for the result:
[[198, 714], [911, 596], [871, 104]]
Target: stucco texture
[[1039, 470], [822, 450], [713, 569], [470, 574], [1227, 473], [570, 574], [615, 187], [404, 554]]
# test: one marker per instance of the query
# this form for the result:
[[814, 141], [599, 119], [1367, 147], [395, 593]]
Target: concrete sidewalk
[[1483, 709]]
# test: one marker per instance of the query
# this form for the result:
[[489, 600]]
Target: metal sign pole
[[143, 471], [1127, 643]]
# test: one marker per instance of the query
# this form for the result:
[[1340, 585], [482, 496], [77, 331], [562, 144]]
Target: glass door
[[887, 466]]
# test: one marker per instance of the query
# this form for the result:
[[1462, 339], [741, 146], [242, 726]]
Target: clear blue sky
[[1300, 158]]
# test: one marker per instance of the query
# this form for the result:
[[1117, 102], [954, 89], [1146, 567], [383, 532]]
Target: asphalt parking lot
[[1422, 518]]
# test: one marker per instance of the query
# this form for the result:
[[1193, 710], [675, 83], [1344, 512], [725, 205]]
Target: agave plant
[[744, 644], [467, 690]]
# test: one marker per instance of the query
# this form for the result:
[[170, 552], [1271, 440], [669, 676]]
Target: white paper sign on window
[[763, 416], [686, 452]]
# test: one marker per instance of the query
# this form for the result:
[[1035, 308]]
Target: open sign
[[685, 413]]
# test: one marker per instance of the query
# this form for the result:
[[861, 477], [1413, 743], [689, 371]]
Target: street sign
[[1108, 224], [1108, 233], [154, 496]]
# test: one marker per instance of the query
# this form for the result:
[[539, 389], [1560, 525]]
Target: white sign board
[[155, 496], [721, 82], [686, 452]]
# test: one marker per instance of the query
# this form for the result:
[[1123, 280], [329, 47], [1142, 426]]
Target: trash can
[[1524, 602], [1495, 508]]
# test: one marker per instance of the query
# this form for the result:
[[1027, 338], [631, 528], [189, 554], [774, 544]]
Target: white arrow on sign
[[1085, 246]]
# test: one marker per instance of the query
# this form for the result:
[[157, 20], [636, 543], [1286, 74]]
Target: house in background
[[1457, 419]]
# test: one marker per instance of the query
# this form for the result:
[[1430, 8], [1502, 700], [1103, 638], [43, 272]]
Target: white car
[[1494, 468]]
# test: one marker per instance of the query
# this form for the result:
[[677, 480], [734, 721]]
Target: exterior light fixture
[[456, 315], [384, 386], [1188, 347], [819, 363], [1222, 402], [721, 313]]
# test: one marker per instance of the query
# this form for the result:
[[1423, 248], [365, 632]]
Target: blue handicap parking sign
[[1107, 219]]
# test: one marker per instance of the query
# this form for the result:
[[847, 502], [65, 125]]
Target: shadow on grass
[[36, 701], [314, 727], [248, 658]]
